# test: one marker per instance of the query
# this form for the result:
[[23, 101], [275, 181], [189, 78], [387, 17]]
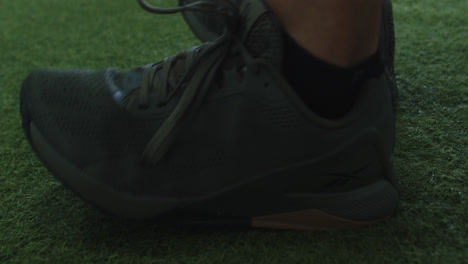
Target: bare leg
[[340, 32]]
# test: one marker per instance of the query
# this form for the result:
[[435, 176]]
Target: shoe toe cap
[[63, 106]]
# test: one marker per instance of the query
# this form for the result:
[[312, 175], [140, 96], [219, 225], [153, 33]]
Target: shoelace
[[156, 77]]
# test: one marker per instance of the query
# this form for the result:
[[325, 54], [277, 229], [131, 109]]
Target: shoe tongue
[[260, 32]]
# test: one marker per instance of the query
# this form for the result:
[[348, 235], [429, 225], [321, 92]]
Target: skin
[[340, 32]]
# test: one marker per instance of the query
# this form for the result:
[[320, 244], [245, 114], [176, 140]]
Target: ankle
[[340, 32]]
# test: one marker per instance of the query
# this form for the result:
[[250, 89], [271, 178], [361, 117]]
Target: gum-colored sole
[[313, 220]]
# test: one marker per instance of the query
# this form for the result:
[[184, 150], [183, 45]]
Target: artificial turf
[[42, 222]]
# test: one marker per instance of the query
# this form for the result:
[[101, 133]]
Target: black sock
[[328, 90]]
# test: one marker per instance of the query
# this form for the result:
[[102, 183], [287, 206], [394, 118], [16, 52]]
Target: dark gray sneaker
[[215, 135], [209, 26]]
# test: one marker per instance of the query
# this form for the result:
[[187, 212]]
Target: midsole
[[144, 207]]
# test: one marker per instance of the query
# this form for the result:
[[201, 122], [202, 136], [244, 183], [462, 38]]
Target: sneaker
[[209, 26], [215, 135]]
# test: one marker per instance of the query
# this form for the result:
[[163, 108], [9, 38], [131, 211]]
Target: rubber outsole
[[146, 208]]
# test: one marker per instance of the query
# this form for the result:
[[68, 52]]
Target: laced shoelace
[[201, 65]]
